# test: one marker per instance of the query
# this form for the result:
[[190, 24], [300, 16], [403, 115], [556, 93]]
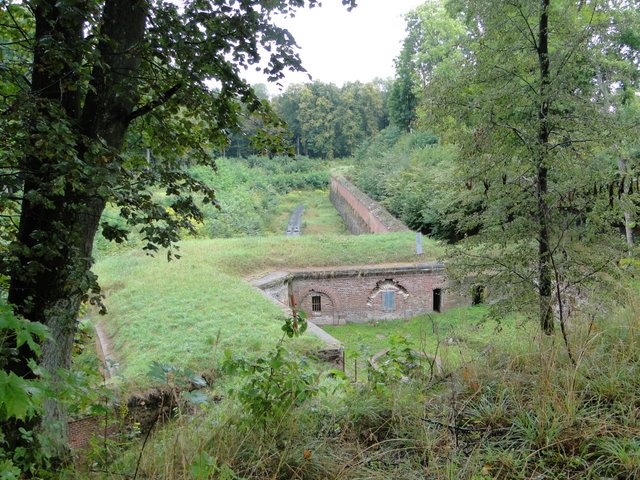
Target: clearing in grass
[[319, 217]]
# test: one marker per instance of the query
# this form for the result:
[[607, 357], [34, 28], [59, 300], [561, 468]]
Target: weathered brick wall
[[357, 295], [82, 431], [360, 213]]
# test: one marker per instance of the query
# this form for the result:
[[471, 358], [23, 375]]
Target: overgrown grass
[[187, 311], [506, 415], [456, 336]]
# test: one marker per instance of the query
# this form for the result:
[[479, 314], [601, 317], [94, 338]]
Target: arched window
[[388, 289], [316, 303]]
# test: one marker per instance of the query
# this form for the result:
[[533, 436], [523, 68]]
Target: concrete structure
[[360, 213], [361, 294]]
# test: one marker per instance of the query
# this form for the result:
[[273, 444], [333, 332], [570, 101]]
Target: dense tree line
[[326, 121]]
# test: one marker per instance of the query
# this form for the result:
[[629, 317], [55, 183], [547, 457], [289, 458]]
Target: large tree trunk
[[545, 278], [57, 226]]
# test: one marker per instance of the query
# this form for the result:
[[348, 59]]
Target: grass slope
[[175, 312], [525, 415]]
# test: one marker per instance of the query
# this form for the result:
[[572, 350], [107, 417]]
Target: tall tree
[[402, 100], [88, 80], [525, 109], [318, 119], [360, 115]]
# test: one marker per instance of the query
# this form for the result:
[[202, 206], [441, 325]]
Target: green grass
[[457, 335], [508, 415], [186, 312], [319, 216]]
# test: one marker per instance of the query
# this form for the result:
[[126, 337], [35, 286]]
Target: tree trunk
[[628, 215], [57, 226], [622, 164], [545, 279]]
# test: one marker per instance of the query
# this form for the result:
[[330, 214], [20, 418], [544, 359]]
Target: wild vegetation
[[251, 194], [500, 413], [509, 133]]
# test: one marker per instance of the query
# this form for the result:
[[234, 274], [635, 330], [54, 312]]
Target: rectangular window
[[316, 303], [389, 300]]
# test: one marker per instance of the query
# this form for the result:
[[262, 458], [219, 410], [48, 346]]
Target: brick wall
[[358, 295], [83, 430], [360, 213]]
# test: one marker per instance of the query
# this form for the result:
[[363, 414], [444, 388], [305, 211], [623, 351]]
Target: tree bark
[[545, 278], [53, 267], [622, 164], [628, 214]]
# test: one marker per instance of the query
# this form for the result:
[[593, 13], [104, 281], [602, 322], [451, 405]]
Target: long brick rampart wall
[[360, 213]]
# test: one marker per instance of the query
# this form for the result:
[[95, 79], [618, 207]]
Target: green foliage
[[296, 324], [204, 466], [174, 376], [273, 384], [412, 176], [326, 121], [250, 193], [107, 113], [535, 115], [402, 99], [384, 156], [25, 332], [455, 336], [399, 363], [20, 398], [499, 413], [17, 396]]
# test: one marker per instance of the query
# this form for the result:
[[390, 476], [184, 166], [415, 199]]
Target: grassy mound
[[186, 312]]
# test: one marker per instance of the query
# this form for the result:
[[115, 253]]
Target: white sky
[[338, 46]]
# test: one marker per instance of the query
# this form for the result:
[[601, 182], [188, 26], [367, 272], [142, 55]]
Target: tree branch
[[161, 100]]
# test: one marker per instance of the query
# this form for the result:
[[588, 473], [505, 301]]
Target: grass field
[[319, 216], [186, 312]]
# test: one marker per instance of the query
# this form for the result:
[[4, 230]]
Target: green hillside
[[187, 311]]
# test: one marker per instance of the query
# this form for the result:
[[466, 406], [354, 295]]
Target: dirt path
[[104, 347]]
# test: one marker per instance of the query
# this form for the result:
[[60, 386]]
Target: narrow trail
[[104, 347], [294, 228]]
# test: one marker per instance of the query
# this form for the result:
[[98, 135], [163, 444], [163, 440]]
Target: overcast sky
[[338, 46]]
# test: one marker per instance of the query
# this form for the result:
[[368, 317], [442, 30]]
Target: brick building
[[362, 294]]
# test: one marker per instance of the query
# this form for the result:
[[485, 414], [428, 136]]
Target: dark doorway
[[437, 299], [477, 295]]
